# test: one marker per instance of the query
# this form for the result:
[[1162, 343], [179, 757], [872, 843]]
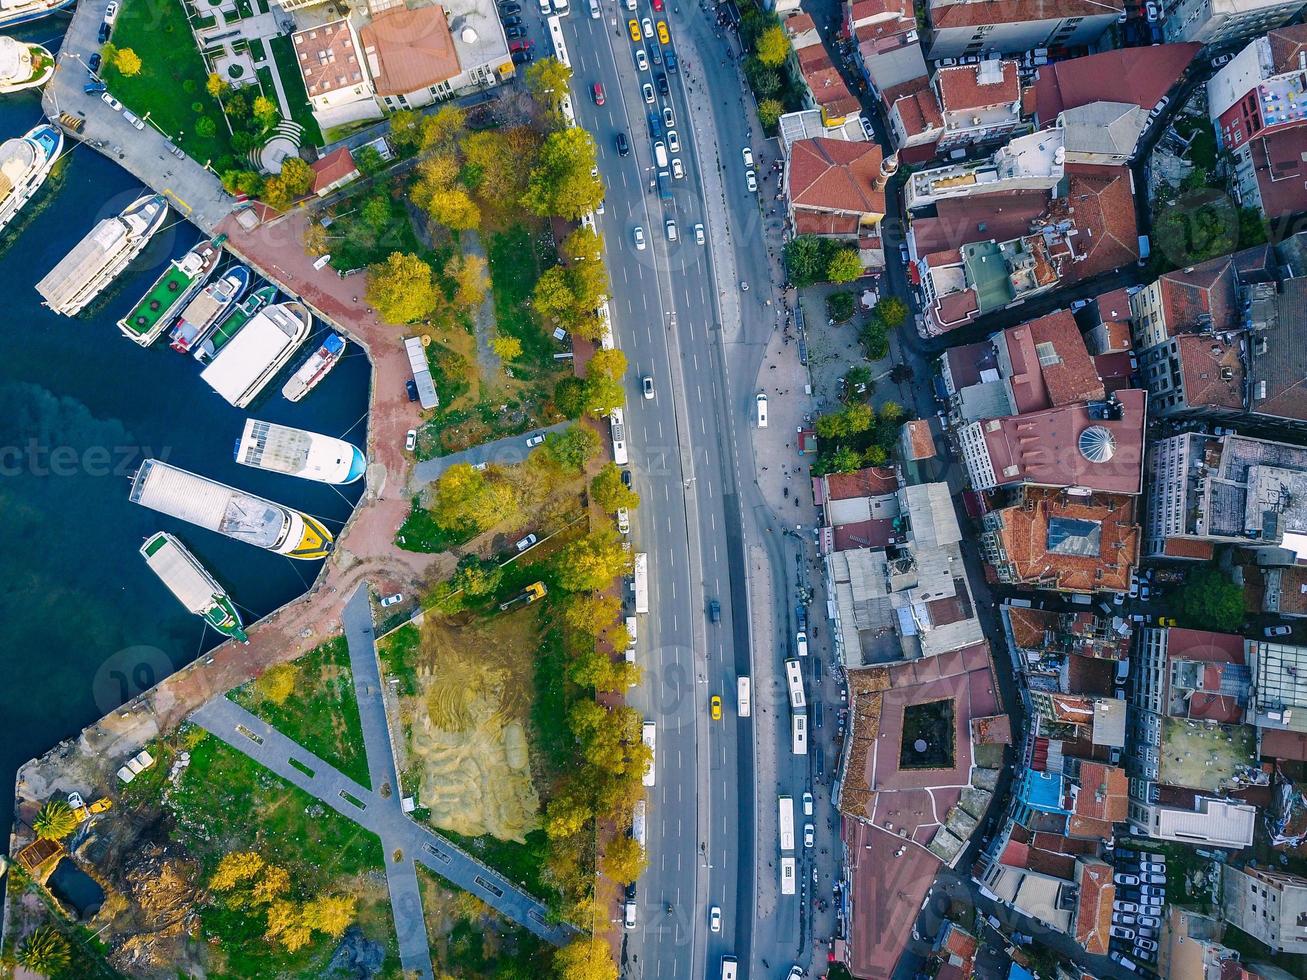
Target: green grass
[[421, 533], [159, 33], [398, 654], [517, 257], [257, 52], [523, 864], [481, 946], [322, 714], [296, 94], [550, 734], [357, 243]]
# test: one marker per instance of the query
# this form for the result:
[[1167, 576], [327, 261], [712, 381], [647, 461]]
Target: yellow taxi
[[664, 36], [716, 707], [633, 26]]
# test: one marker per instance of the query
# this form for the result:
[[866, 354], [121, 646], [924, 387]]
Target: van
[[630, 915], [561, 8], [761, 401], [660, 154]]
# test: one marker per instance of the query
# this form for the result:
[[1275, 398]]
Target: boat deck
[[159, 300]]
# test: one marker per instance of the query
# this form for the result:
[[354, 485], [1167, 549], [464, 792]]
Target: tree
[[567, 813], [844, 459], [624, 859], [470, 498], [858, 417], [286, 925], [471, 277], [1209, 600], [270, 885], [234, 869], [504, 160], [55, 820], [127, 62], [592, 614], [215, 85], [572, 448], [772, 47], [561, 185], [205, 127], [330, 914], [277, 683], [875, 456], [892, 312], [569, 396], [594, 669], [804, 259], [405, 130], [844, 266], [276, 194], [400, 289], [582, 245], [266, 112], [547, 81], [609, 492], [442, 130], [369, 161], [297, 175], [243, 182], [45, 952], [454, 208], [892, 412], [874, 340], [769, 112], [585, 959], [477, 577], [506, 348], [592, 563]]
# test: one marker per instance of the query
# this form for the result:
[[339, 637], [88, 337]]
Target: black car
[[524, 57], [515, 32], [626, 479], [94, 61], [104, 32], [624, 149], [512, 21], [663, 88], [411, 387], [509, 8], [630, 892], [714, 611]]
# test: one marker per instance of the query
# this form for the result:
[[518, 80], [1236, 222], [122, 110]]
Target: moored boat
[[232, 324], [170, 293], [21, 11], [203, 312], [23, 64], [238, 515], [317, 367], [192, 584], [254, 356], [298, 452], [25, 162]]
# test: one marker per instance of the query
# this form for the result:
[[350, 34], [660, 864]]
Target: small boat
[[25, 162], [170, 293], [234, 322], [205, 310], [192, 584], [317, 367]]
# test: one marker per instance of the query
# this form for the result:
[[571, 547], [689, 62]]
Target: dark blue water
[[85, 623]]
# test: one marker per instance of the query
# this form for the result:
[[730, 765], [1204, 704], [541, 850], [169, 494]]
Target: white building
[[1102, 134], [1222, 21], [339, 89], [974, 27], [1034, 162]]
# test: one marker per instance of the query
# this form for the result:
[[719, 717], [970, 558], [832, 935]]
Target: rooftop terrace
[[1203, 756]]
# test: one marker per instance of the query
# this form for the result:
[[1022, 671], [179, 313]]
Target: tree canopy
[[562, 185], [401, 288], [468, 498], [609, 492], [1209, 600], [591, 563]]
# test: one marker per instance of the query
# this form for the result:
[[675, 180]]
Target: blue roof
[[1042, 791], [1018, 972]]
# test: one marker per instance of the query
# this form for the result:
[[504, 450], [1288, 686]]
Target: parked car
[[94, 62], [1123, 919], [515, 32], [535, 440], [809, 835], [1122, 878], [521, 44], [509, 8], [1129, 907], [1150, 922], [1123, 932], [391, 600], [523, 57], [1221, 60], [93, 88], [747, 153], [751, 181], [411, 440], [526, 542], [1153, 891], [807, 804], [111, 102], [673, 141], [1124, 961], [134, 119], [111, 12], [1154, 867], [626, 479], [1149, 945], [411, 387], [1278, 631], [1153, 879], [1152, 11], [512, 21], [105, 30]]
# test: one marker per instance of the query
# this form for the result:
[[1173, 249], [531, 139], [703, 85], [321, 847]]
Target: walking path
[[507, 451], [270, 748], [488, 362]]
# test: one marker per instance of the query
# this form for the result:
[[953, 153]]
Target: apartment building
[[1271, 906], [1135, 76], [979, 104], [977, 27], [1034, 162], [1217, 22]]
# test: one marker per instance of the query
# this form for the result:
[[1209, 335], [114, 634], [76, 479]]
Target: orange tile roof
[[1094, 910], [1186, 548], [916, 105], [1103, 792], [328, 58], [920, 439], [334, 167], [408, 50], [980, 13], [1212, 369], [1101, 203], [870, 482], [1030, 626], [836, 175], [960, 87]]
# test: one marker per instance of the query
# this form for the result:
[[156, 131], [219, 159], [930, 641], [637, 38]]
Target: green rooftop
[[988, 273]]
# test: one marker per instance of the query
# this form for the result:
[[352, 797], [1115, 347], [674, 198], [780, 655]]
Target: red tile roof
[[873, 481], [1284, 745], [1199, 297], [1104, 792], [1114, 305], [979, 13], [1094, 910], [328, 58], [1201, 645], [336, 166], [409, 50], [1186, 548], [1212, 369], [836, 175], [825, 223], [1277, 159], [919, 439], [1102, 205], [1287, 44], [886, 894], [916, 105], [960, 87], [957, 221], [1138, 76], [1055, 366]]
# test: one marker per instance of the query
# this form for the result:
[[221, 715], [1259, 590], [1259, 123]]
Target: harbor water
[[87, 624]]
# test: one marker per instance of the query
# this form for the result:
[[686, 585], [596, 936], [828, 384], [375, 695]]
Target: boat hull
[[47, 143], [23, 17]]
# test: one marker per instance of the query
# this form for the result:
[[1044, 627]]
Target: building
[[330, 59], [1033, 162], [978, 27], [978, 104], [1209, 490], [1270, 906], [1086, 447], [835, 188], [1102, 134], [1217, 22], [333, 171], [1050, 539], [1208, 823], [824, 86], [1093, 920], [1279, 686], [916, 122], [1197, 299], [1137, 76]]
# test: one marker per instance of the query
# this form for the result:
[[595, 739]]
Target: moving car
[[698, 234], [390, 600], [646, 26], [535, 440], [658, 6], [411, 440], [761, 402], [595, 13], [678, 169], [526, 542], [801, 641], [715, 707], [663, 88], [664, 36], [648, 92], [623, 145], [646, 386], [633, 26], [714, 611], [638, 235], [671, 230], [669, 120], [597, 93], [715, 918], [673, 141], [641, 59]]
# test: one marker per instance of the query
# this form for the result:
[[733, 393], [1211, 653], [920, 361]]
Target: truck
[[794, 681], [785, 820], [640, 583]]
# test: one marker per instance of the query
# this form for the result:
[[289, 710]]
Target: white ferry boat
[[21, 11], [192, 584], [241, 369], [298, 452], [25, 162]]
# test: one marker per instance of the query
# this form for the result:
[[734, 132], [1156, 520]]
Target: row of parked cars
[[1140, 880]]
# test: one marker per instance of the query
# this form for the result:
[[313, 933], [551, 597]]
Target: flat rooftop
[[1202, 756]]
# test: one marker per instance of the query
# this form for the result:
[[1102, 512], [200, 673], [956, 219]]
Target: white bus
[[785, 821], [617, 424], [799, 733], [728, 968], [787, 876], [606, 339], [556, 35], [650, 736], [794, 681], [742, 696], [641, 583], [637, 823]]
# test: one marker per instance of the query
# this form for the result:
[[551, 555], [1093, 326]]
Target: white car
[[698, 234], [715, 918], [646, 27], [678, 170], [671, 230], [111, 102], [411, 440], [809, 835], [1153, 12], [751, 181], [648, 92], [526, 542], [111, 12], [535, 440], [748, 157], [807, 804], [673, 141], [623, 520], [595, 12], [638, 235], [641, 59], [630, 906], [133, 118], [390, 600], [1278, 630], [669, 120], [646, 386]]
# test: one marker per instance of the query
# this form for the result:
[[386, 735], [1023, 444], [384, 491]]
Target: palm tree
[[55, 821], [44, 951]]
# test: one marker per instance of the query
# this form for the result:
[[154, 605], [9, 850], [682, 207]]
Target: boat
[[298, 452], [238, 515], [232, 324], [254, 356], [23, 65], [202, 313], [192, 584], [25, 162], [97, 259], [171, 292], [317, 367], [21, 11]]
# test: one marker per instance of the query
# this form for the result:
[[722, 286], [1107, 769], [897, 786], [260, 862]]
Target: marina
[[192, 584], [298, 452], [202, 313], [234, 322], [313, 370], [254, 356], [98, 258], [170, 293], [25, 162], [217, 507]]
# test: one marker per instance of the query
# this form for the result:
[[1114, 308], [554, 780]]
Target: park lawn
[[421, 533], [355, 245], [224, 801], [322, 714], [468, 939], [517, 257], [283, 53], [398, 653], [172, 76]]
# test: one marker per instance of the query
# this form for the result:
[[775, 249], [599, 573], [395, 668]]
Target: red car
[[522, 44], [597, 90], [658, 6]]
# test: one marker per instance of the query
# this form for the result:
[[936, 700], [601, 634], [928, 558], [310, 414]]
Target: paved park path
[[503, 452]]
